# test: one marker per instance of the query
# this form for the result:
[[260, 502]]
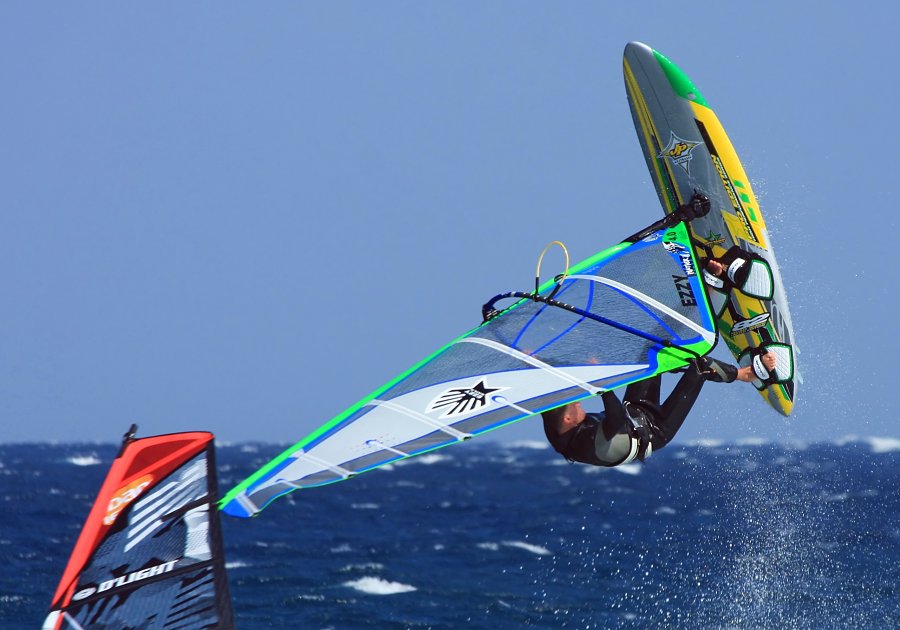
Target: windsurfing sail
[[150, 552], [625, 314]]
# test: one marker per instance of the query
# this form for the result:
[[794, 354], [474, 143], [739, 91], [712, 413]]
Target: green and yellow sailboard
[[688, 151]]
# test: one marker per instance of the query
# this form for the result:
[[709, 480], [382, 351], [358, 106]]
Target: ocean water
[[506, 536]]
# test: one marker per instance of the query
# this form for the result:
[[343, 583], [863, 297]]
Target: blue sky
[[245, 217]]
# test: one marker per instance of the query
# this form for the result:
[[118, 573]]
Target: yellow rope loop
[[537, 273]]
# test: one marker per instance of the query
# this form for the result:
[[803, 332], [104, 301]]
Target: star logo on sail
[[680, 151], [463, 400]]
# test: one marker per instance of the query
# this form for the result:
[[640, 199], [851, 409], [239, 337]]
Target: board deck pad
[[687, 151]]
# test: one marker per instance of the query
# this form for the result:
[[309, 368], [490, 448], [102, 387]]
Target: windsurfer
[[634, 428]]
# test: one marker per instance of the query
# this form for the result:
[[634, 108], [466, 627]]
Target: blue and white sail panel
[[618, 318]]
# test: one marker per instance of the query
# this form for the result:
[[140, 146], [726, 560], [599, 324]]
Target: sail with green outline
[[632, 311]]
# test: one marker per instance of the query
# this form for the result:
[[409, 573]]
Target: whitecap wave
[[707, 443], [535, 445], [516, 544], [377, 586], [309, 597], [365, 566], [629, 469], [884, 445], [752, 441], [83, 460], [877, 444], [426, 460], [11, 599], [535, 549]]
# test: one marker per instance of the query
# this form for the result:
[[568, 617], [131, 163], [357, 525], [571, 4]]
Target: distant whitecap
[[708, 443], [83, 460], [365, 566], [535, 549], [629, 469], [884, 445], [11, 599], [427, 460], [877, 444], [377, 586], [532, 444], [847, 439], [309, 597]]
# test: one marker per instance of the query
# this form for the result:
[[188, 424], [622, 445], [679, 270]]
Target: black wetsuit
[[619, 435]]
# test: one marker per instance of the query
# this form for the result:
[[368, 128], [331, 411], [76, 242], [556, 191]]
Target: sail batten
[[530, 360], [646, 299]]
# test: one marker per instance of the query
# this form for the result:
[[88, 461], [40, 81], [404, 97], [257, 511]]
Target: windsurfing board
[[687, 151]]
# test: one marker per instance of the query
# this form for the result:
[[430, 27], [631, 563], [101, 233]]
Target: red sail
[[150, 549]]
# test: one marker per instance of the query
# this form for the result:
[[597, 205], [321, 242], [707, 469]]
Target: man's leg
[[644, 391]]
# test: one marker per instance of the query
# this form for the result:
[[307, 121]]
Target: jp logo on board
[[680, 151]]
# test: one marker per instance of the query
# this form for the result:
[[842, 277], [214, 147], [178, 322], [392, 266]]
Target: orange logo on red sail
[[125, 496]]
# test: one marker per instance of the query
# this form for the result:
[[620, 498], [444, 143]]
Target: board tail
[[150, 552]]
